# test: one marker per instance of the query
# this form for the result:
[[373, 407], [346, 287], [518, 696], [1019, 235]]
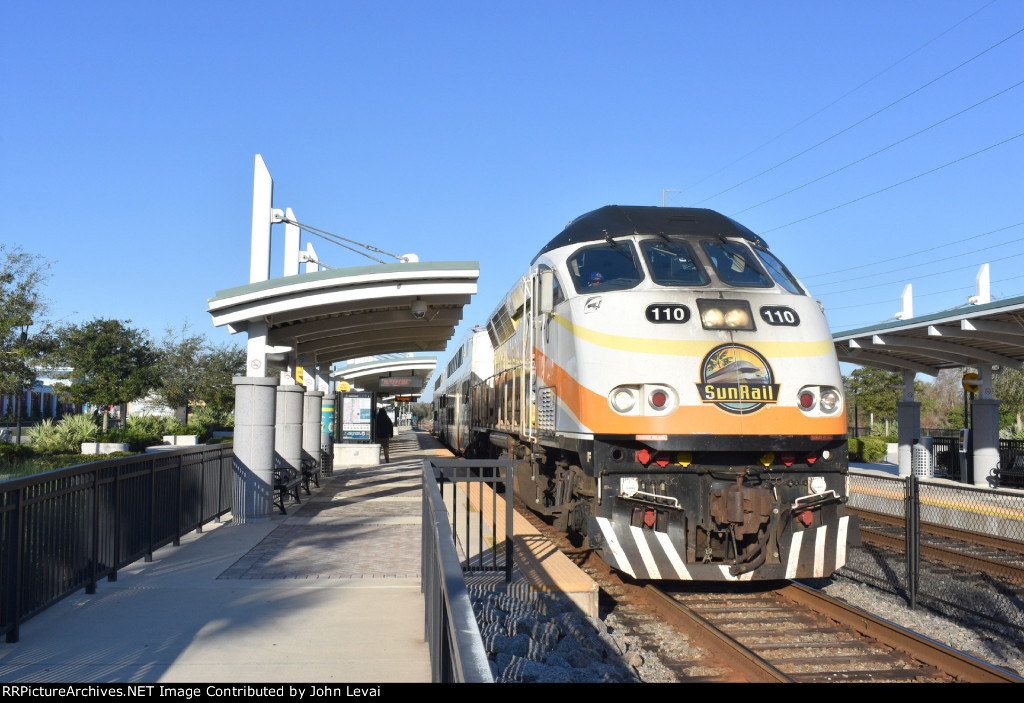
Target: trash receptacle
[[922, 464]]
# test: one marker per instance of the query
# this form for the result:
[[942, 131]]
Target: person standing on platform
[[385, 431]]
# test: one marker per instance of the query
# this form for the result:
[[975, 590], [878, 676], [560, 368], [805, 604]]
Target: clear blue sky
[[477, 130]]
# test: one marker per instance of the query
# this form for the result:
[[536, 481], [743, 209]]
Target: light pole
[[23, 342]]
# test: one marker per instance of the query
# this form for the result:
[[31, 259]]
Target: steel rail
[[954, 663], [1008, 572], [1004, 543], [740, 658]]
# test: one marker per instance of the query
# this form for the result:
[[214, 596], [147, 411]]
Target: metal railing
[[64, 530], [457, 654], [927, 515]]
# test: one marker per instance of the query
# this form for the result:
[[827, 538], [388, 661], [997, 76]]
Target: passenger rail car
[[669, 390]]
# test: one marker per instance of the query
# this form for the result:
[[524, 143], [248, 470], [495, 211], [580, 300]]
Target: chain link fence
[[955, 548]]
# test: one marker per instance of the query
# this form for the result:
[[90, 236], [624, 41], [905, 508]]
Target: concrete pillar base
[[311, 424], [985, 428], [255, 408]]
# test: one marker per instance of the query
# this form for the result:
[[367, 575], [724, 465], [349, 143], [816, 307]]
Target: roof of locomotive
[[619, 220]]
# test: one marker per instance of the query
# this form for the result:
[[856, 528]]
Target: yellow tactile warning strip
[[544, 567]]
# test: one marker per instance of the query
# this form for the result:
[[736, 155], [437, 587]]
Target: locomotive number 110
[[667, 313]]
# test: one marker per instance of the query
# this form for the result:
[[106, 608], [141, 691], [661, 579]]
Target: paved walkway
[[328, 593]]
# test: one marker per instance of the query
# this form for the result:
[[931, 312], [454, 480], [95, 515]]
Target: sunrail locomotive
[[669, 390]]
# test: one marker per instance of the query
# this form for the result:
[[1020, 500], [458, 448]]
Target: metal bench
[[1009, 478], [310, 472], [286, 482]]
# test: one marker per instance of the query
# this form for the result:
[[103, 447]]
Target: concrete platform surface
[[328, 593]]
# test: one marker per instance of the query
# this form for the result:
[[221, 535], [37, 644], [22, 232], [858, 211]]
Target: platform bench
[[286, 482], [1009, 478], [310, 472]]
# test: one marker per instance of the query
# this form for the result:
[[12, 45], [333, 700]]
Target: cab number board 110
[[780, 315], [667, 312]]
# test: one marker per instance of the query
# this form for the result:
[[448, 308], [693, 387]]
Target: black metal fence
[[947, 461], [955, 547], [64, 530], [478, 523]]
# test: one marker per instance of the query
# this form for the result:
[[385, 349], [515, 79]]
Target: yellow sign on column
[[971, 382]]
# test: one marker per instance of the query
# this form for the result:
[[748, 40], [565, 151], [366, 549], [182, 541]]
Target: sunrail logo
[[737, 379]]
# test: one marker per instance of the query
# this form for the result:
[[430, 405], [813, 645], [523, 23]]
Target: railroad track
[[796, 634], [996, 556], [756, 633]]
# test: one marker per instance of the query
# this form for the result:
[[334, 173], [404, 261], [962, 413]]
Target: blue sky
[[477, 130]]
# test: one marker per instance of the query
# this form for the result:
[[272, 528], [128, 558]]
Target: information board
[[356, 415]]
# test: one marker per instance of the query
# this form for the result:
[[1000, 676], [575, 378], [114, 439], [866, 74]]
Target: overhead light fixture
[[419, 309]]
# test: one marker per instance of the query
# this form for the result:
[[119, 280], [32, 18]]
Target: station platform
[[328, 593]]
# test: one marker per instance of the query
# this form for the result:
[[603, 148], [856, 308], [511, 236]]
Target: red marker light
[[658, 399], [643, 456]]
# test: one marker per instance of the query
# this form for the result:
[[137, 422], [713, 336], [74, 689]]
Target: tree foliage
[[21, 304], [182, 356], [112, 363], [219, 365], [871, 391]]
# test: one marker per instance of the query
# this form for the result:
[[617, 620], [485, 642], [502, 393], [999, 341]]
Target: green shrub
[[856, 446], [45, 437], [76, 430], [873, 449], [878, 430], [213, 420]]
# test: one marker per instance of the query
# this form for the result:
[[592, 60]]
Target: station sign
[[402, 382]]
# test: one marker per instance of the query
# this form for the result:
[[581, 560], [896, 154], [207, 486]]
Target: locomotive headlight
[[816, 484], [725, 314], [713, 318], [829, 400], [623, 400], [737, 318]]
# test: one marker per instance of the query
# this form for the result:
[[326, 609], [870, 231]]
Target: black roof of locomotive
[[619, 220]]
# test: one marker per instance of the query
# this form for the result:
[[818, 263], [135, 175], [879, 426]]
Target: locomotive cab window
[[779, 271], [735, 265], [672, 263], [604, 268]]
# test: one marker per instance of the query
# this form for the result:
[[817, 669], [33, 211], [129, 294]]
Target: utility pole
[[663, 191]]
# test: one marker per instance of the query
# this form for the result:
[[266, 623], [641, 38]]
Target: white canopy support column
[[908, 419], [262, 206], [292, 236], [256, 349]]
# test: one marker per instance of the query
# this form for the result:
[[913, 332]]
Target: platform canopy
[[991, 334], [329, 316], [396, 376]]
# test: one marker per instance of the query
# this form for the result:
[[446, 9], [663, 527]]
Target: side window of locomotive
[[779, 272], [735, 265], [605, 268], [557, 295], [672, 263]]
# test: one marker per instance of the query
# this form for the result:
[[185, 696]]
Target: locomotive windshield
[[608, 267], [779, 272], [735, 264], [672, 263]]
